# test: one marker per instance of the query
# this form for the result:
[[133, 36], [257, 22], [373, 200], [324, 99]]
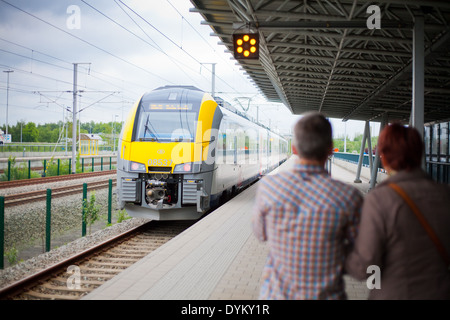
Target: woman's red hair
[[401, 147]]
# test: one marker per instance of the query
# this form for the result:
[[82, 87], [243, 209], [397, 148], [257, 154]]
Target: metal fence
[[11, 147], [352, 157], [48, 218], [28, 169], [439, 171]]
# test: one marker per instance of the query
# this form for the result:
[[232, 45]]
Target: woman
[[390, 236]]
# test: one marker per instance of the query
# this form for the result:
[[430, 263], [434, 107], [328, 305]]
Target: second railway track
[[75, 277], [40, 195], [25, 182]]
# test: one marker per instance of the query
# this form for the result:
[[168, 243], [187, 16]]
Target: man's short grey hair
[[313, 136]]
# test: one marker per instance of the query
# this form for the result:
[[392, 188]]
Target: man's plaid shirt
[[308, 219]]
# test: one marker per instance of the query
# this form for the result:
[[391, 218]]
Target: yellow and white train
[[181, 153]]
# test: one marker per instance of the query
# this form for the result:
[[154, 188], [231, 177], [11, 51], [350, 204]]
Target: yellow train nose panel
[[164, 155]]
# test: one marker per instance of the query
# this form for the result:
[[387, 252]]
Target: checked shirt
[[308, 220]]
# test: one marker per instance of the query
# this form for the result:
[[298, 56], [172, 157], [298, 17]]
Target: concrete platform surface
[[218, 258]]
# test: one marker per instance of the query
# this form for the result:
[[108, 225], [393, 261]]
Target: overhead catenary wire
[[87, 42], [156, 46], [51, 64], [174, 43], [58, 91], [106, 51], [34, 55], [201, 36], [69, 67]]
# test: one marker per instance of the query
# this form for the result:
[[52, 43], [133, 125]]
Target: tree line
[[54, 132], [353, 145]]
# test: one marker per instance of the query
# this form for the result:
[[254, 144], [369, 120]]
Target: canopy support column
[[361, 153], [376, 164], [417, 113]]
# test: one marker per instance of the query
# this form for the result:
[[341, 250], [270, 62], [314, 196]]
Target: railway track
[[41, 195], [75, 277], [26, 182], [86, 165]]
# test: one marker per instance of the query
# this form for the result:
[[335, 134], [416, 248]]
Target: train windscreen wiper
[[147, 128]]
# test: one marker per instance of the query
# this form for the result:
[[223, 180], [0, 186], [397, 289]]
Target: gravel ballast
[[25, 229], [36, 264]]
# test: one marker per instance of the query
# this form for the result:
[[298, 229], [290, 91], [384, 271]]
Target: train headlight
[[137, 167], [183, 167]]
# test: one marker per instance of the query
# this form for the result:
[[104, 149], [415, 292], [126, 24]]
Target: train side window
[[427, 140], [240, 145], [444, 140], [235, 150], [434, 141], [247, 149], [229, 146], [257, 149], [224, 146]]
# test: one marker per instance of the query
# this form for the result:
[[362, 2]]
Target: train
[[182, 152]]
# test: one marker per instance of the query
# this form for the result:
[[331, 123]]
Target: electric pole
[[7, 97], [74, 117], [213, 77]]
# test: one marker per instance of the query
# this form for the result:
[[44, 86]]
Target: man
[[308, 219]]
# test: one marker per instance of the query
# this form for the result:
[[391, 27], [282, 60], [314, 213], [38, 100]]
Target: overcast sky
[[124, 48]]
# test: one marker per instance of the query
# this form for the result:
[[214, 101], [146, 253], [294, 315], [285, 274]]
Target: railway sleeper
[[111, 259], [85, 281], [110, 264], [46, 296], [99, 270]]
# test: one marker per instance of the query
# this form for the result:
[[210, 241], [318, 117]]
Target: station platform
[[218, 258]]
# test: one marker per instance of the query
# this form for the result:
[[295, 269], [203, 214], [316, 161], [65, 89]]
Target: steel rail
[[40, 195], [25, 182], [30, 281]]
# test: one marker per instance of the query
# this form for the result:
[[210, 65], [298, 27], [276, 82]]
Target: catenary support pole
[[7, 98], [74, 118]]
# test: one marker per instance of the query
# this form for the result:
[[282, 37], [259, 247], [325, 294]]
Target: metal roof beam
[[331, 59], [292, 74], [328, 24], [283, 67], [428, 3], [405, 72], [337, 35], [328, 48]]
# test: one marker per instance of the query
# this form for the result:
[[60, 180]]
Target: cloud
[[129, 53]]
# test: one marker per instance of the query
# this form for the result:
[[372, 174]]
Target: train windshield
[[166, 121]]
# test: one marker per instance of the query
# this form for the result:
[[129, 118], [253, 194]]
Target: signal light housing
[[246, 45]]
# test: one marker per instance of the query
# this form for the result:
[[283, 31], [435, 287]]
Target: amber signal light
[[246, 45]]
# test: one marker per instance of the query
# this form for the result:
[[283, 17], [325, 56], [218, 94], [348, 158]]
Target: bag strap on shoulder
[[423, 222]]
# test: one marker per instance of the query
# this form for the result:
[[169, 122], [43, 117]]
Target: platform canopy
[[322, 55]]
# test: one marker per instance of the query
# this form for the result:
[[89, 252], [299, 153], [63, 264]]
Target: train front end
[[164, 167]]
